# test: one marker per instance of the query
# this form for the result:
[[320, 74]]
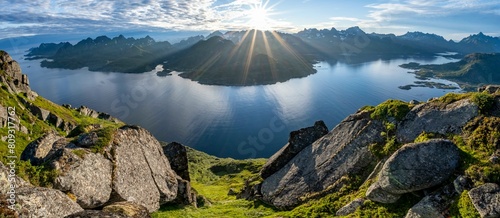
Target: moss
[[105, 136], [484, 101], [463, 207], [41, 175], [391, 108], [79, 152], [453, 97], [483, 134], [71, 196]]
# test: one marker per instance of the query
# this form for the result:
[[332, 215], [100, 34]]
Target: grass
[[390, 108]]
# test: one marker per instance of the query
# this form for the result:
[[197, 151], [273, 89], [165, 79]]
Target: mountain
[[119, 54], [480, 43], [259, 58], [396, 159], [472, 71]]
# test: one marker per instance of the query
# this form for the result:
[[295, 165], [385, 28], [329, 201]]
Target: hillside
[[259, 58], [472, 71], [396, 159]]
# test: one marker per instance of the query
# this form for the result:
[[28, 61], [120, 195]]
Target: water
[[238, 122]]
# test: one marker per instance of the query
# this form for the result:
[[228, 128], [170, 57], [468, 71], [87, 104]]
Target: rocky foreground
[[81, 163]]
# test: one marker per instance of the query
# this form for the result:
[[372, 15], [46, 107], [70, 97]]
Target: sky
[[453, 19]]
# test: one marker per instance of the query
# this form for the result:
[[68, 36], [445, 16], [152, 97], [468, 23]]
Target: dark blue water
[[239, 122]]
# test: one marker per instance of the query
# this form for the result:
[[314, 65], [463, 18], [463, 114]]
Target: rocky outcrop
[[141, 172], [414, 167], [297, 141], [342, 151], [51, 118], [83, 110], [11, 75], [37, 151], [429, 118], [489, 88], [177, 156], [84, 174], [486, 199], [434, 205], [44, 202]]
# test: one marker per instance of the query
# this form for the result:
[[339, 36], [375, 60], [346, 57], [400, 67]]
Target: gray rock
[[88, 177], [461, 183], [177, 156], [486, 199], [39, 112], [3, 116], [376, 193], [127, 209], [87, 112], [429, 118], [414, 102], [87, 140], [434, 205], [341, 152], [350, 208], [141, 172], [297, 141], [8, 177], [495, 157], [44, 202], [37, 151], [414, 167], [185, 195], [16, 81]]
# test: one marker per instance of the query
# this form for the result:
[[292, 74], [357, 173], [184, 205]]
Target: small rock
[[87, 140], [461, 183], [486, 199], [95, 214], [495, 157], [434, 205], [414, 102], [39, 112], [350, 208], [185, 195]]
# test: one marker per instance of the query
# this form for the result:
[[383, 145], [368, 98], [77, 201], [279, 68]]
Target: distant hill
[[259, 58], [472, 71]]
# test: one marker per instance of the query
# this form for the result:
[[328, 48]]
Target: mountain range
[[251, 57]]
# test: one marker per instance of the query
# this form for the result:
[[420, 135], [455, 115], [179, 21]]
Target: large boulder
[[317, 167], [177, 156], [429, 118], [141, 172], [123, 209], [414, 167], [84, 174], [44, 202], [297, 141], [486, 200], [37, 151]]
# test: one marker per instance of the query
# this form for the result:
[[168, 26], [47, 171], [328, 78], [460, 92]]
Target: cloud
[[83, 15]]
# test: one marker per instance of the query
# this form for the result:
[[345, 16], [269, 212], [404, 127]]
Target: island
[[472, 71]]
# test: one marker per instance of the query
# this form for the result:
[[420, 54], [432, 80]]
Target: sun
[[258, 16]]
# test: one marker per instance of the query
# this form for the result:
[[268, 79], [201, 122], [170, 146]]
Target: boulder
[[9, 178], [84, 174], [39, 112], [297, 141], [141, 172], [185, 195], [83, 110], [350, 208], [342, 151], [414, 167], [429, 118], [486, 199], [434, 205], [38, 150], [177, 156], [462, 183], [44, 202]]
